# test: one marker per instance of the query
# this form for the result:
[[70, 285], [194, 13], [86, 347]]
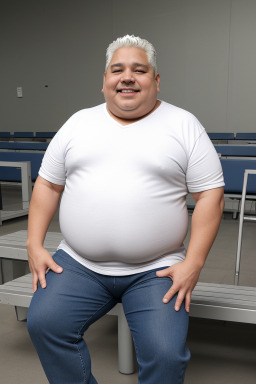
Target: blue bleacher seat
[[233, 170], [23, 134], [45, 135], [1, 203], [13, 174], [21, 145], [236, 150], [246, 136], [5, 134], [221, 135]]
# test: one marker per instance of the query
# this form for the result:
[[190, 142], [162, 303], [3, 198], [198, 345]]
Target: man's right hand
[[40, 260]]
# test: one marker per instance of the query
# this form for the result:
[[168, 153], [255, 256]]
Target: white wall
[[206, 57], [56, 43]]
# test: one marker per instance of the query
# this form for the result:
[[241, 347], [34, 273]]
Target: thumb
[[164, 272], [55, 267]]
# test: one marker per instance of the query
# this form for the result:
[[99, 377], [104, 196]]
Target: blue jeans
[[73, 300]]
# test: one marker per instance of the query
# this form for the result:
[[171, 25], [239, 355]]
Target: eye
[[140, 71], [116, 71]]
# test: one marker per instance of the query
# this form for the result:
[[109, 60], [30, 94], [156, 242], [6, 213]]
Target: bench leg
[[26, 184], [125, 346], [1, 272], [21, 313], [12, 269]]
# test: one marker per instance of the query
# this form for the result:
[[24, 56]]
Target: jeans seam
[[142, 282], [182, 372], [82, 362], [88, 277], [80, 329], [79, 336]]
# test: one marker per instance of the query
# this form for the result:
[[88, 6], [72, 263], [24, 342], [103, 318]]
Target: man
[[123, 169]]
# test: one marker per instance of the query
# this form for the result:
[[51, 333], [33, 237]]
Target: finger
[[187, 301], [55, 267], [34, 282], [163, 272], [179, 301], [42, 279], [169, 294]]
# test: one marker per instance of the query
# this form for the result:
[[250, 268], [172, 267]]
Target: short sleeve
[[204, 169], [53, 165]]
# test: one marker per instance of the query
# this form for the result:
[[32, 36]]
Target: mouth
[[127, 90]]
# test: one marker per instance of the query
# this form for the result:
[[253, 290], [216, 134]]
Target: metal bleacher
[[227, 150]]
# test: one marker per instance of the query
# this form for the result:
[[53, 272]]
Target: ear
[[158, 82], [104, 78]]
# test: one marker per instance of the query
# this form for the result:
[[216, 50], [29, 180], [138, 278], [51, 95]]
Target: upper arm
[[41, 182], [215, 195]]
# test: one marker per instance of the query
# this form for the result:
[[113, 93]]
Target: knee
[[40, 321], [165, 354], [172, 361], [35, 320], [174, 356]]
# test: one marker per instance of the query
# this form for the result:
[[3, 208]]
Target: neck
[[123, 121]]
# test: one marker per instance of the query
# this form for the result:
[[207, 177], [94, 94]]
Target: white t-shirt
[[123, 209]]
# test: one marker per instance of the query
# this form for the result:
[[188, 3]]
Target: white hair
[[132, 41]]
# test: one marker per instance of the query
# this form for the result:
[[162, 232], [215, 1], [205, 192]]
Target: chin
[[129, 114]]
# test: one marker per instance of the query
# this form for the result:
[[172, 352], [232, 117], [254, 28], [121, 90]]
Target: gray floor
[[221, 352]]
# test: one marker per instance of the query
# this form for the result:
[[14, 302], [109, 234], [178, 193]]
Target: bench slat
[[201, 285], [11, 292], [223, 313], [13, 245], [225, 302], [52, 239], [218, 293], [209, 300]]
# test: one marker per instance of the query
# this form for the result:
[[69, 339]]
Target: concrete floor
[[223, 353]]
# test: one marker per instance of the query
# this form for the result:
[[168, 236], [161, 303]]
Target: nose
[[127, 76]]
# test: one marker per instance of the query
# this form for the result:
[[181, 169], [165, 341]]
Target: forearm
[[204, 227], [205, 223], [43, 205]]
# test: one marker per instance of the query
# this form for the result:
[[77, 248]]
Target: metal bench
[[13, 175], [26, 187], [209, 301], [5, 136], [10, 164], [44, 135], [250, 137], [22, 135], [221, 137], [234, 170], [13, 249], [236, 150], [23, 146]]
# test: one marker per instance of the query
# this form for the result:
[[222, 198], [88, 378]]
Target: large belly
[[116, 226]]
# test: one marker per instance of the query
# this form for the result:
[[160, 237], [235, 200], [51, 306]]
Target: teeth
[[127, 91]]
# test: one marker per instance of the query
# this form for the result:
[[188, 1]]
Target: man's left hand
[[184, 276]]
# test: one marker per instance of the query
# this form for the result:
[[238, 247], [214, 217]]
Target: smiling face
[[130, 85]]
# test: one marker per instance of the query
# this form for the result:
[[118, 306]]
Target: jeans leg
[[58, 317], [159, 332]]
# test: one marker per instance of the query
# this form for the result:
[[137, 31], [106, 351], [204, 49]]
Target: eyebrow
[[134, 64]]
